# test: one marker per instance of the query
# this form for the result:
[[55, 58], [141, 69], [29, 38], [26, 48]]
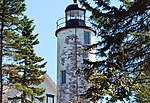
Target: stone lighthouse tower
[[73, 35]]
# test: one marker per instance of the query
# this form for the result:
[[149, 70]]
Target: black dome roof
[[74, 6]]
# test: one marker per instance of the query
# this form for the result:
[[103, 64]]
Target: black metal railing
[[62, 23]]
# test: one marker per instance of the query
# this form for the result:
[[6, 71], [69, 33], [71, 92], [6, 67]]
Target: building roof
[[74, 6], [10, 93], [13, 92]]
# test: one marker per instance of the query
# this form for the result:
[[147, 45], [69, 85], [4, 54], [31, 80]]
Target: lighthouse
[[73, 35]]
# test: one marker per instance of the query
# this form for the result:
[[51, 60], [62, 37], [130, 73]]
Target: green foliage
[[123, 50], [22, 68], [28, 66]]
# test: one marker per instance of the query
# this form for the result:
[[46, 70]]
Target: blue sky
[[45, 14]]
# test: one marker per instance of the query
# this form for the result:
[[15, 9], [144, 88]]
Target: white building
[[73, 35], [50, 92]]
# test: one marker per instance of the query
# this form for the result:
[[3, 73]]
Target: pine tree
[[123, 50], [20, 65], [27, 72], [9, 19]]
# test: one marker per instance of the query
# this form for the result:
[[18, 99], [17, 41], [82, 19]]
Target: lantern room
[[75, 15]]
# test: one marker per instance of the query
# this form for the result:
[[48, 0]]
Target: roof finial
[[75, 1]]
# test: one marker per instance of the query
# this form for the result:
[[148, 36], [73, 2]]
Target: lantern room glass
[[75, 14]]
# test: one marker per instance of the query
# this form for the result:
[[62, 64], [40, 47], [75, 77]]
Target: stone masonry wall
[[70, 44]]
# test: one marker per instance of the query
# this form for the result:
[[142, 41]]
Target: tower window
[[87, 38], [63, 76]]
